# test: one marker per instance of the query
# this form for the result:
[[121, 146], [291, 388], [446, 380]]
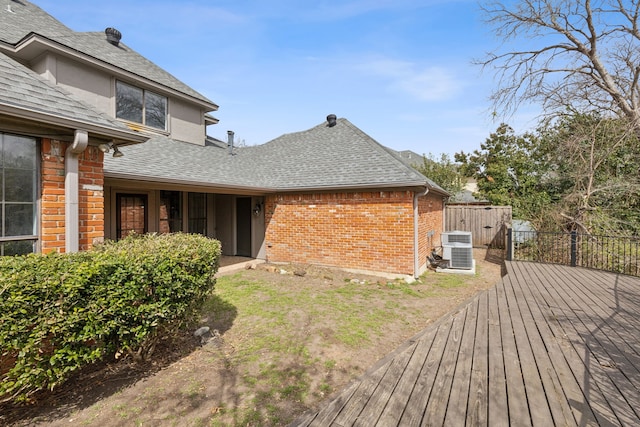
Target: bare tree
[[571, 55]]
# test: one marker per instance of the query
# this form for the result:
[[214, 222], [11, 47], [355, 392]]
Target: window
[[141, 106], [198, 213], [18, 194]]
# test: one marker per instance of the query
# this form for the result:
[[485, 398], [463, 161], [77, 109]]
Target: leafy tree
[[443, 172], [580, 173], [511, 170], [570, 55]]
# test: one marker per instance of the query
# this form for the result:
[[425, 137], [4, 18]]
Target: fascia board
[[399, 185], [50, 119], [151, 180]]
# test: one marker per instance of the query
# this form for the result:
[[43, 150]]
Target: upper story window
[[141, 106], [18, 194]]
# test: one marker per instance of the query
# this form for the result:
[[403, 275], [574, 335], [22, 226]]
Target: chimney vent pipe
[[230, 141]]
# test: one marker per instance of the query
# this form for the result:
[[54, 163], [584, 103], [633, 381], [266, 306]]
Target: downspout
[[416, 243], [72, 190]]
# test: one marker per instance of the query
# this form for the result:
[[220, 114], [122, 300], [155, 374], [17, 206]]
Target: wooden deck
[[547, 346]]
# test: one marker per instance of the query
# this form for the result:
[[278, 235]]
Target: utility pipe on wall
[[416, 226], [72, 190]]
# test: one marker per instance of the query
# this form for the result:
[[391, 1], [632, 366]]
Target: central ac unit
[[451, 237], [457, 248], [459, 255]]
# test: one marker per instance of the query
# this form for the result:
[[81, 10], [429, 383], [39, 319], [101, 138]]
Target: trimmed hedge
[[60, 312]]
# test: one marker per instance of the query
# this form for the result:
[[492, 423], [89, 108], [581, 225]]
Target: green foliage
[[511, 170], [577, 173], [59, 313], [443, 171]]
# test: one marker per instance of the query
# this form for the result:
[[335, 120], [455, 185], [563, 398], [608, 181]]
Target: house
[[105, 142]]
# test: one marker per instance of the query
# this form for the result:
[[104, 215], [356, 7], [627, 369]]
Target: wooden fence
[[487, 224]]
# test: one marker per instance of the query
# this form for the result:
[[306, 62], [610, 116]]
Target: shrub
[[60, 312]]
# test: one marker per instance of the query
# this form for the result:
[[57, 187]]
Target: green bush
[[60, 312]]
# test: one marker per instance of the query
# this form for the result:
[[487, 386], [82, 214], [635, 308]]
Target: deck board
[[548, 345]]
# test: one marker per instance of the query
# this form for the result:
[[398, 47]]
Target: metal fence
[[610, 253]]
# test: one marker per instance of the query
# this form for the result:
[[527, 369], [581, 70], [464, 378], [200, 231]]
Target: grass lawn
[[283, 343]]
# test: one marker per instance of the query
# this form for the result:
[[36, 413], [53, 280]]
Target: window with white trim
[[18, 194], [141, 106]]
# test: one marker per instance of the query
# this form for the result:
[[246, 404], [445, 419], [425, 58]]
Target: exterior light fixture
[[106, 148], [257, 209], [117, 152]]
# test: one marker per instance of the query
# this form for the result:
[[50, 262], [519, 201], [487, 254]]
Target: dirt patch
[[285, 339]]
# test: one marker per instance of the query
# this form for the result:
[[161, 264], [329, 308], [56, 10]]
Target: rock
[[201, 331], [204, 333], [300, 273], [250, 266], [271, 269]]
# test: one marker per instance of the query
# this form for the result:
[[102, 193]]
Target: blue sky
[[400, 70]]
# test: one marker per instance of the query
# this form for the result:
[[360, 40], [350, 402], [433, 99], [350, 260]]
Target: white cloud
[[422, 83], [431, 84]]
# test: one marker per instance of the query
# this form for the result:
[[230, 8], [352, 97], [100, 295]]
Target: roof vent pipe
[[230, 141], [113, 36], [331, 120]]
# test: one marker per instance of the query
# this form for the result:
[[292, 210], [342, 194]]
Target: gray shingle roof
[[26, 19], [320, 158], [19, 19], [21, 88], [414, 159], [165, 160]]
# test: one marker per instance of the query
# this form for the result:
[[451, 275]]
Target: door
[[243, 226], [131, 216]]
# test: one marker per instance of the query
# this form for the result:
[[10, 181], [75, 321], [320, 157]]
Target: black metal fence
[[609, 253]]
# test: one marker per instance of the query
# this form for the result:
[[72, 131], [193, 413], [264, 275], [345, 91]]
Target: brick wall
[[366, 230], [430, 224], [91, 197]]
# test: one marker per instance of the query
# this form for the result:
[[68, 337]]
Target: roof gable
[[330, 156], [322, 158]]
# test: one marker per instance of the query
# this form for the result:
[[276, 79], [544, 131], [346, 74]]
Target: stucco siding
[[186, 122]]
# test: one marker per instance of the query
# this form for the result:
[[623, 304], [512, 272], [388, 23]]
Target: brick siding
[[360, 230], [91, 197]]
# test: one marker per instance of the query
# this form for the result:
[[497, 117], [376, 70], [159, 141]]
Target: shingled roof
[[321, 158], [23, 20], [23, 93], [18, 19]]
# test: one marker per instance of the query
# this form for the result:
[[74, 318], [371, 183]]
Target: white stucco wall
[[88, 84], [97, 88], [186, 122]]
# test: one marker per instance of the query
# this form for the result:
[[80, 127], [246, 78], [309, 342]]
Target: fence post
[[509, 244], [574, 248]]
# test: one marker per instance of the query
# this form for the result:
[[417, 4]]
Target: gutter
[[125, 135], [416, 243], [71, 190]]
